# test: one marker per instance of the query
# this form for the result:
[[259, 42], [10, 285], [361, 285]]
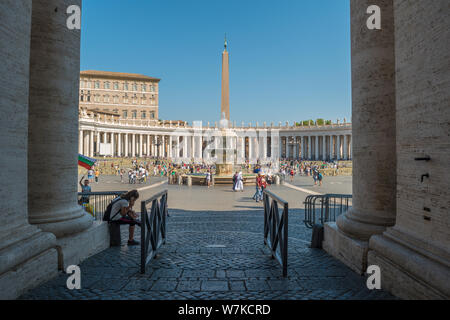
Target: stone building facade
[[132, 96]]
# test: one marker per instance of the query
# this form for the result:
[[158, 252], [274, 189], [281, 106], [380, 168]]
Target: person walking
[[240, 182], [97, 174], [208, 178]]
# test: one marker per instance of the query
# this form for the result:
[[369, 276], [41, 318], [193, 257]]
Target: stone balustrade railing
[[175, 124]]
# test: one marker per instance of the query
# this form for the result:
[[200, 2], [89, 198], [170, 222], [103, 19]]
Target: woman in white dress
[[239, 182]]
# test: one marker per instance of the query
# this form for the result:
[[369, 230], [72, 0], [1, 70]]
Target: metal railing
[[153, 226], [98, 201], [276, 228], [325, 208]]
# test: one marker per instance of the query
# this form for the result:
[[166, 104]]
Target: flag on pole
[[86, 162]]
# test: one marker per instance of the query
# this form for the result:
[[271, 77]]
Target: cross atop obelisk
[[225, 106]]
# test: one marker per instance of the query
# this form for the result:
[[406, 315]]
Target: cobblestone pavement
[[214, 255]]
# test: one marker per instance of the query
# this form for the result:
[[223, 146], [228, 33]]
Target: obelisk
[[225, 106]]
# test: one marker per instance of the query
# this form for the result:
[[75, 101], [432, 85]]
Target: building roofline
[[117, 75]]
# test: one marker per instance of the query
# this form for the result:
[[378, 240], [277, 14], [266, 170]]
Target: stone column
[[345, 147], [170, 146], [80, 142], [141, 144], [28, 256], [98, 143], [133, 145], [119, 144], [185, 146], [331, 148], [53, 121], [316, 148], [113, 144], [338, 147], [324, 148], [414, 255], [250, 148], [373, 126], [302, 147], [126, 145], [309, 156], [91, 143], [148, 145]]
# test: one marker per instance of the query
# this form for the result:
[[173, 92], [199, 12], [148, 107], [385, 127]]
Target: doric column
[[345, 147], [119, 144], [126, 145], [141, 144], [338, 147], [80, 142], [309, 156], [324, 148], [148, 145], [250, 148], [28, 256], [302, 147], [185, 146], [113, 144], [53, 121], [98, 143], [373, 127], [331, 148], [133, 145], [316, 148]]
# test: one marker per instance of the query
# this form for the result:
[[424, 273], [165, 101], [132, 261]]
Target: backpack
[[107, 214]]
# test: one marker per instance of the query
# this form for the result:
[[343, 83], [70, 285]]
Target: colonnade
[[192, 145]]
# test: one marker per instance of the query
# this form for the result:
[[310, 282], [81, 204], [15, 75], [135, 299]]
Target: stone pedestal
[[373, 116]]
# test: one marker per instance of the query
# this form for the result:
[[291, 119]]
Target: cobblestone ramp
[[214, 255]]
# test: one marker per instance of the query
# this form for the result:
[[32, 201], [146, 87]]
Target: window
[[125, 114], [134, 114], [116, 86], [116, 110], [89, 96], [144, 87], [144, 114], [143, 100], [97, 85], [81, 83], [82, 95], [106, 85], [106, 98], [125, 98], [125, 86], [135, 99], [116, 99], [152, 115], [135, 87]]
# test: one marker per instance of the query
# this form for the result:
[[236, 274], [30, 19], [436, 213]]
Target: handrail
[[276, 228], [329, 206], [153, 226], [98, 200]]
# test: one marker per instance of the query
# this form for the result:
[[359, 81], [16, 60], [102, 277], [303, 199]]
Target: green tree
[[320, 122]]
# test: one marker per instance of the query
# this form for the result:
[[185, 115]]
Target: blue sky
[[289, 59]]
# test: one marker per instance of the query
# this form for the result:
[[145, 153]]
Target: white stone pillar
[[126, 145], [324, 148], [309, 157], [338, 147], [148, 145], [250, 148], [91, 143], [98, 143], [80, 142], [119, 144], [331, 148], [53, 122], [185, 146], [373, 126], [302, 147], [141, 144], [345, 147], [133, 145], [316, 147], [113, 143], [28, 256]]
